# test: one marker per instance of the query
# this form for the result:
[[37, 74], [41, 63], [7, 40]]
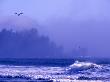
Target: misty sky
[[67, 22]]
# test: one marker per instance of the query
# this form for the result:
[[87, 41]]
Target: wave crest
[[80, 66], [84, 64]]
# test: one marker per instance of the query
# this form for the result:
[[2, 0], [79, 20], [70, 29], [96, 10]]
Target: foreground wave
[[76, 72]]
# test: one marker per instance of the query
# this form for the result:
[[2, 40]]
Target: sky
[[66, 22]]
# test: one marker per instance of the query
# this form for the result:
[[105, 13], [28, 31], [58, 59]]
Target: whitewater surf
[[77, 71]]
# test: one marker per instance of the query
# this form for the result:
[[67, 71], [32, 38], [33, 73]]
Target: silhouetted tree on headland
[[27, 44]]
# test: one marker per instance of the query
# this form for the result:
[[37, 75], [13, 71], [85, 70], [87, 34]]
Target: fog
[[69, 23]]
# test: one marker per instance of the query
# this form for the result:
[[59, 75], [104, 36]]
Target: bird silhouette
[[18, 14]]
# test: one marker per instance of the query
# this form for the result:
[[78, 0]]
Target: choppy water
[[54, 70]]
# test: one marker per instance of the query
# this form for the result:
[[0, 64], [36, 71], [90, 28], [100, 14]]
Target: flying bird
[[18, 14]]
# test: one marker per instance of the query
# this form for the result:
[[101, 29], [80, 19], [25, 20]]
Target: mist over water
[[67, 23], [55, 40]]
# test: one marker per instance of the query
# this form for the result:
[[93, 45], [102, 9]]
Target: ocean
[[55, 70]]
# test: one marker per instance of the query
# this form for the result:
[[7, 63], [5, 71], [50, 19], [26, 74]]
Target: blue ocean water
[[55, 70]]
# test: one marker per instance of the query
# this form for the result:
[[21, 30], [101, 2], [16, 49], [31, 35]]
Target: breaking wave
[[89, 71], [81, 66], [76, 72]]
